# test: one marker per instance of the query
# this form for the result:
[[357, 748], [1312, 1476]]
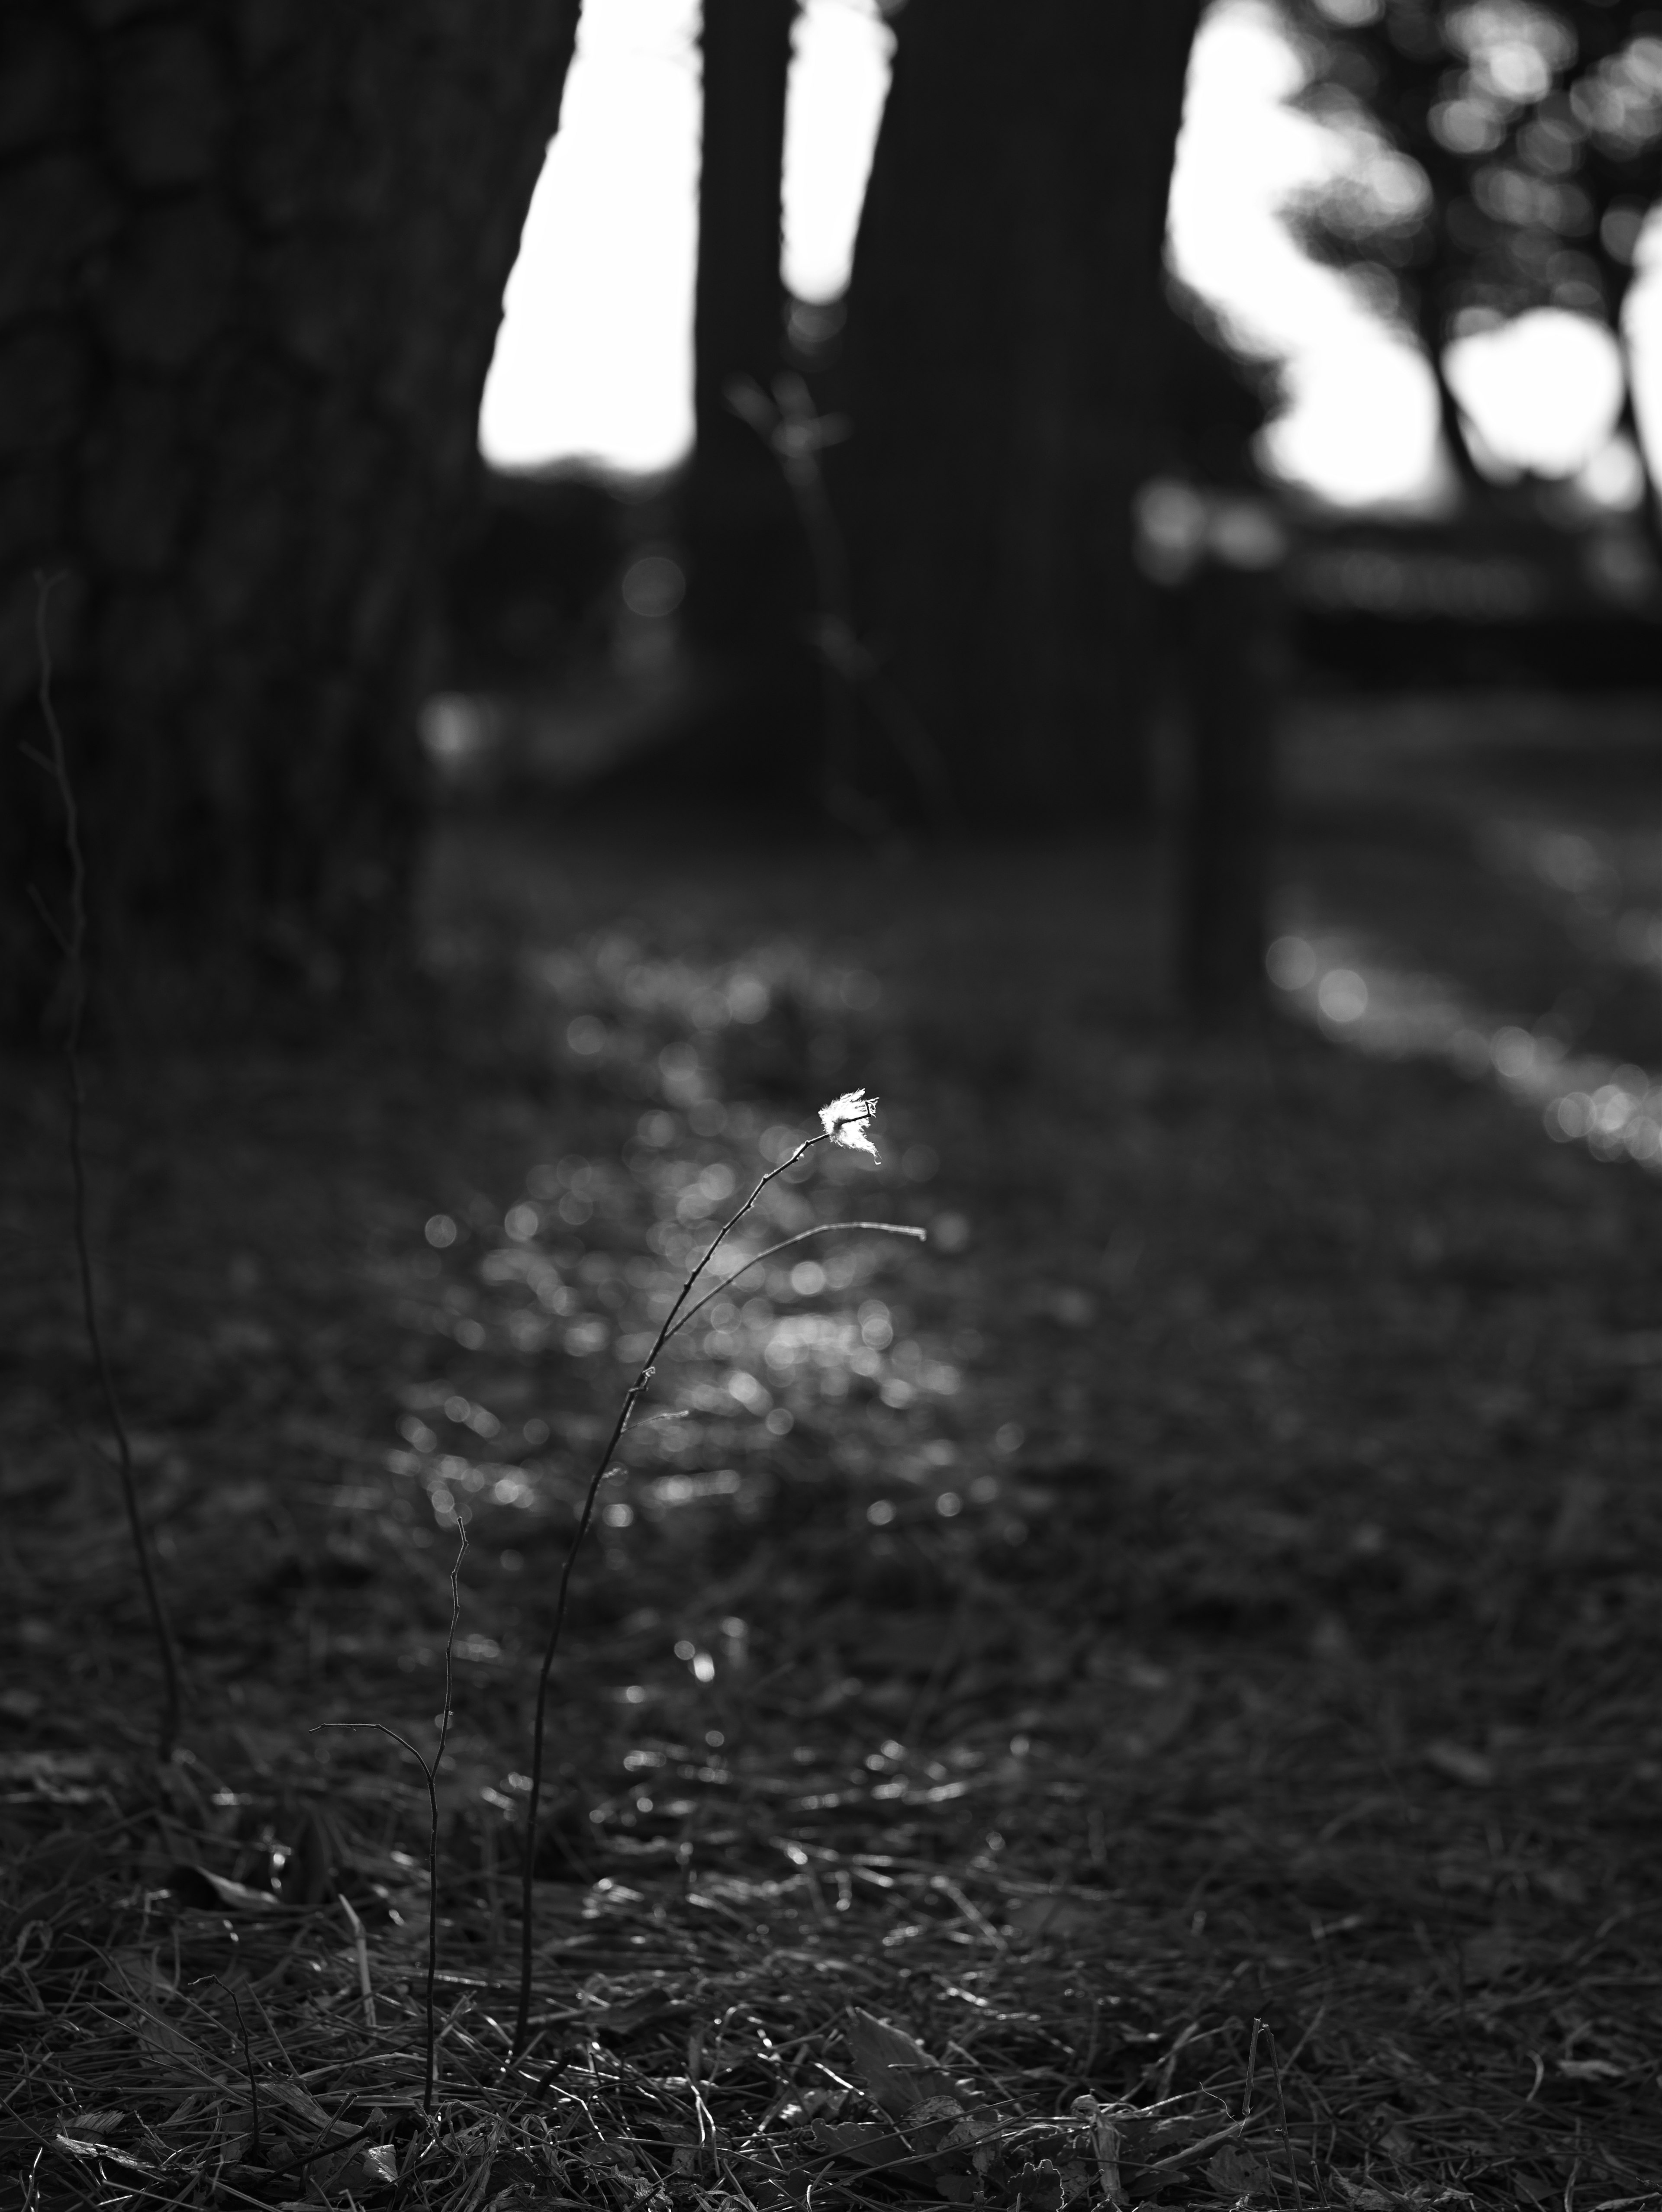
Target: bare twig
[[248, 2064], [855, 1111], [71, 942], [819, 1229], [429, 1769], [796, 434], [1287, 2133]]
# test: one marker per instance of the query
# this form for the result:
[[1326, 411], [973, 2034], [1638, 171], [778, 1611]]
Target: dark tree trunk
[[252, 261], [998, 369], [1474, 486], [1452, 423], [741, 535], [1627, 422]]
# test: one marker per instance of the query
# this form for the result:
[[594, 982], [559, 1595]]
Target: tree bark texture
[[252, 261], [744, 596], [999, 370]]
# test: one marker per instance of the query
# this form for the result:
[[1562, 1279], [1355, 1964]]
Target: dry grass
[[1203, 1665]]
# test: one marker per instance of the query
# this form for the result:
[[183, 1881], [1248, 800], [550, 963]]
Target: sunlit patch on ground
[[1355, 993], [1608, 888], [1496, 846], [580, 1266]]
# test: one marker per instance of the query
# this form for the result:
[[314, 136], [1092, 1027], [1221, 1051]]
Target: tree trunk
[[998, 369], [252, 261], [741, 534], [1474, 486], [1627, 422]]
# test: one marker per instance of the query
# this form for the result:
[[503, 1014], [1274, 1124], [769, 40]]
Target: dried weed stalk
[[796, 434], [71, 939], [430, 1770], [844, 1122]]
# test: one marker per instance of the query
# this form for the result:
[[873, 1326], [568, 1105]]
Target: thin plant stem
[[72, 944], [1287, 2133], [819, 1229], [248, 2065], [787, 422], [430, 1773], [679, 1315], [431, 2088]]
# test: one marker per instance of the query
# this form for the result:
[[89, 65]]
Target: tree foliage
[[1505, 155]]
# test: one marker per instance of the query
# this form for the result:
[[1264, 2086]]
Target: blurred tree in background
[[1215, 543], [741, 537], [1507, 153], [252, 261], [999, 368]]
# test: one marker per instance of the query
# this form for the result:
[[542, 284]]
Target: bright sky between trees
[[594, 355]]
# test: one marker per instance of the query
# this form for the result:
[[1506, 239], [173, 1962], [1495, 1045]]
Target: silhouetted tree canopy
[[1508, 153]]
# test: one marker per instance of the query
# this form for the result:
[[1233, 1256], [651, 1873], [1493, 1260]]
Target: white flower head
[[845, 1121]]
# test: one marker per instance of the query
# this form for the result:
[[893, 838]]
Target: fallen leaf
[[1046, 1918], [1486, 1957], [1474, 1769], [1105, 2142], [1575, 1535], [1367, 2198], [867, 2141], [1236, 2171], [194, 1886], [898, 2073]]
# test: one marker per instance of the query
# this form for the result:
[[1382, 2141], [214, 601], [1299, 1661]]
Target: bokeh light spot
[[1290, 965], [1342, 995]]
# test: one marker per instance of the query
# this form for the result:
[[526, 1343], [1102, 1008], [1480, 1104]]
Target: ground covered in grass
[[1149, 1699]]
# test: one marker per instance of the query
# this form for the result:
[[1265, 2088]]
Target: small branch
[[819, 1229], [72, 944]]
